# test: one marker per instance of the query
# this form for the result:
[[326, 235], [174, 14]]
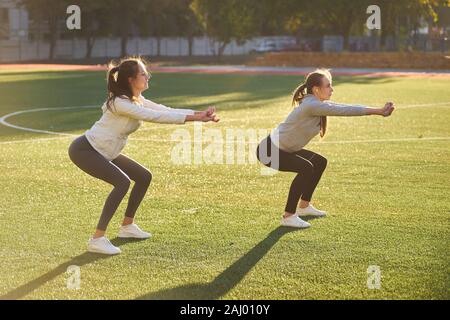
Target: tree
[[93, 22], [123, 18], [224, 20], [406, 12], [52, 12], [336, 17], [155, 20], [272, 16], [186, 22]]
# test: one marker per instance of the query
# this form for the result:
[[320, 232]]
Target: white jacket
[[109, 135]]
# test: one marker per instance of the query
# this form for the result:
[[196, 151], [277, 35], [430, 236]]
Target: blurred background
[[254, 32]]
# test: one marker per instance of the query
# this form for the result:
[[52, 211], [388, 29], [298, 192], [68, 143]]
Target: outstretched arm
[[127, 108], [201, 114], [159, 107], [322, 108]]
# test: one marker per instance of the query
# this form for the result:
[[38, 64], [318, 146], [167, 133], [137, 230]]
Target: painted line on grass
[[250, 142], [315, 142], [34, 140], [66, 135], [7, 124]]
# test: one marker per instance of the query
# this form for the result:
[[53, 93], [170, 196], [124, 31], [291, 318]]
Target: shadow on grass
[[225, 281], [80, 260]]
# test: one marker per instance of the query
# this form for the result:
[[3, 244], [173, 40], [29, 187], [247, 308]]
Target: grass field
[[215, 227]]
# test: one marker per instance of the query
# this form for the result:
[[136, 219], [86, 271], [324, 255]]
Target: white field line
[[314, 142], [65, 135], [249, 142], [5, 123], [33, 140]]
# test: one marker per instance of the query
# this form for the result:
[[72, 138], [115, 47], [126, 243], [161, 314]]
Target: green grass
[[215, 226]]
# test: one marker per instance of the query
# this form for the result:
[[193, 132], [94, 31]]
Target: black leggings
[[117, 172], [308, 165]]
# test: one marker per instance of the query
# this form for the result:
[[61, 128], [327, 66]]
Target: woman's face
[[325, 91], [140, 82]]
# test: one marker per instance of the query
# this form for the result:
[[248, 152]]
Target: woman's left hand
[[388, 109]]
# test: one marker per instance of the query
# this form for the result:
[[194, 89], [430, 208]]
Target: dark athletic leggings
[[308, 165], [117, 172]]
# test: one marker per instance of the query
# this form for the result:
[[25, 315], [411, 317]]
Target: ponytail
[[298, 94], [112, 85], [323, 125]]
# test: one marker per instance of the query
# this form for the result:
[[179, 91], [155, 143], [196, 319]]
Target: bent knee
[[71, 152], [146, 177], [320, 163], [123, 184], [324, 162], [307, 170]]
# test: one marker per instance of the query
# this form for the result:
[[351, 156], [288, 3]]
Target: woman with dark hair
[[98, 151], [283, 149]]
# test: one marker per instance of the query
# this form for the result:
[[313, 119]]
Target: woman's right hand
[[204, 116], [207, 116], [387, 110]]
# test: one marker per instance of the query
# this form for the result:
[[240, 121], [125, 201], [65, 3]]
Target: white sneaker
[[102, 245], [295, 222], [133, 231], [310, 211]]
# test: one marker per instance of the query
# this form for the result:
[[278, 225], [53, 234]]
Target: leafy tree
[[123, 18], [93, 22], [52, 12], [225, 20]]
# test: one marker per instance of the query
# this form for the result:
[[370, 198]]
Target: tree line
[[227, 20]]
